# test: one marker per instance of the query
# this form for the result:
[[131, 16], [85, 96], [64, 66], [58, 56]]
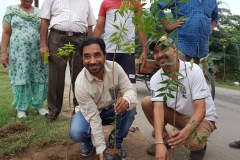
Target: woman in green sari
[[20, 53]]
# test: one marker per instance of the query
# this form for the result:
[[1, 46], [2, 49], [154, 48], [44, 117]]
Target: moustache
[[162, 57], [92, 65]]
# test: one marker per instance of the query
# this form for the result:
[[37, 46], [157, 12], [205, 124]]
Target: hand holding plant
[[121, 105], [177, 138]]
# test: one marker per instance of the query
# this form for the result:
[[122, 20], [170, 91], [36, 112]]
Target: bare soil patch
[[135, 145], [13, 129]]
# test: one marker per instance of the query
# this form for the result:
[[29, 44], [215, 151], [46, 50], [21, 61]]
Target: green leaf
[[161, 95], [117, 27], [115, 39], [114, 34], [162, 89], [45, 57], [170, 95]]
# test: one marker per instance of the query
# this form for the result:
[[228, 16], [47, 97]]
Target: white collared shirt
[[193, 87], [68, 15], [94, 95]]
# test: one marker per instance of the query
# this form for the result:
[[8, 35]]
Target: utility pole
[[36, 4]]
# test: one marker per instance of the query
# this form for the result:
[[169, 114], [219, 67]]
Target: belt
[[67, 33]]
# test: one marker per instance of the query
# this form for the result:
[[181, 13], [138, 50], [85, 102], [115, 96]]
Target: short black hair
[[93, 40]]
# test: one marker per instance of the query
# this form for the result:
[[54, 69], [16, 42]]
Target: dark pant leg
[[127, 62], [56, 80], [75, 63]]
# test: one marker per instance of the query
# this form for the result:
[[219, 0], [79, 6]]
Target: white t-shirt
[[193, 87], [108, 10]]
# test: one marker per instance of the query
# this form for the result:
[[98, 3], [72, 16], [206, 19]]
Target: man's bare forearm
[[143, 40], [44, 31], [89, 31]]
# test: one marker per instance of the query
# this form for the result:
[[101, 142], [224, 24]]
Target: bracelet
[[159, 143]]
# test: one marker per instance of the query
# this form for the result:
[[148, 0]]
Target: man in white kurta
[[96, 90]]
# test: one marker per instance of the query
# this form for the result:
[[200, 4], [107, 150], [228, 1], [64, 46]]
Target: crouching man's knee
[[77, 135], [147, 104], [195, 145]]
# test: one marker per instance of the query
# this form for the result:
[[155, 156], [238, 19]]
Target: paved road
[[228, 108]]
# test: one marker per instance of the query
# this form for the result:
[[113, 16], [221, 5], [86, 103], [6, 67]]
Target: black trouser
[[57, 68]]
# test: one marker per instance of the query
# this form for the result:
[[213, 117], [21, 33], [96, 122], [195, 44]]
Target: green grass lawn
[[227, 85], [18, 134]]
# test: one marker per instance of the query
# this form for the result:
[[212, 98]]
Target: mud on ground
[[135, 145]]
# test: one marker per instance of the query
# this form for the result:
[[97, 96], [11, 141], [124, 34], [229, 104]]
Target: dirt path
[[135, 145]]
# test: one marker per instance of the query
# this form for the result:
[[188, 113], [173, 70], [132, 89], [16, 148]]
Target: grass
[[227, 85], [19, 134]]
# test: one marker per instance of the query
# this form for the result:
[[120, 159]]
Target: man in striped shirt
[[69, 22]]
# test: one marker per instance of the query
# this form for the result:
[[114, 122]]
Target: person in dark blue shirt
[[199, 17]]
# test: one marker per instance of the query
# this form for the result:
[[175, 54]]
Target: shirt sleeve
[[155, 86], [102, 10], [91, 18], [215, 12], [91, 114], [199, 87], [126, 87], [7, 17], [46, 9]]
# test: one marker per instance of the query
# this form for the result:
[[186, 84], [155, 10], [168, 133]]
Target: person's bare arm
[[99, 27], [101, 156], [158, 120], [171, 27], [89, 34], [213, 25], [177, 138], [6, 33], [44, 36], [143, 41]]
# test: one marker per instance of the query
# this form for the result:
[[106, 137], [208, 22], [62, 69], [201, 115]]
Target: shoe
[[198, 155], [152, 150], [87, 149], [111, 141], [43, 111], [21, 114], [123, 153], [50, 119], [235, 144]]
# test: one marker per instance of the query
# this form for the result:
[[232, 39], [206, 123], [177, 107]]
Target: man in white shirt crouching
[[195, 114], [96, 90]]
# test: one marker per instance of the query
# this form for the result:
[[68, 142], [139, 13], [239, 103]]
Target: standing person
[[105, 23], [195, 109], [68, 21], [20, 53], [193, 33], [94, 90]]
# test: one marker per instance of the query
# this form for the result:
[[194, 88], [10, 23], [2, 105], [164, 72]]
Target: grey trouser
[[57, 68], [203, 130]]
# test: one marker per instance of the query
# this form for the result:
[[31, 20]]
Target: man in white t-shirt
[[195, 114]]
